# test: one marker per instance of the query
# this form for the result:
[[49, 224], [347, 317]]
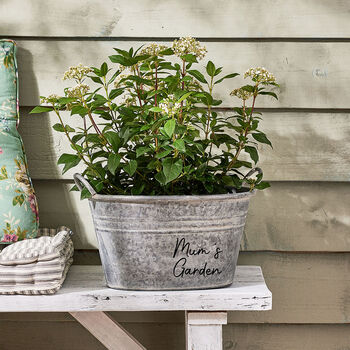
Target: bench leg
[[109, 332], [204, 330]]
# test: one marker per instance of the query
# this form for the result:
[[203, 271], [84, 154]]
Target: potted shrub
[[168, 177]]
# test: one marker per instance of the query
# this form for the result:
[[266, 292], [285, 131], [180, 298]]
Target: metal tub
[[168, 242]]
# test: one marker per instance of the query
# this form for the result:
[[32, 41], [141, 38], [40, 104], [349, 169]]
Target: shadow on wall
[[56, 207]]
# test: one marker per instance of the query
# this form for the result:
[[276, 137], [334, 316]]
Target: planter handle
[[81, 182]]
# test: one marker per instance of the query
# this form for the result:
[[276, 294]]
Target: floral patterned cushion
[[18, 206]]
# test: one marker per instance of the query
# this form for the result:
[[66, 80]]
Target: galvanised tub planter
[[168, 242]]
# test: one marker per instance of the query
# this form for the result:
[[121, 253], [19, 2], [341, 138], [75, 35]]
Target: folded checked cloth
[[38, 265]]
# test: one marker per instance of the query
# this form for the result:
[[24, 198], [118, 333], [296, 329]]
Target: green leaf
[[160, 177], [218, 71], [261, 137], [114, 139], [122, 52], [198, 75], [142, 150], [252, 152], [179, 144], [69, 129], [104, 69], [209, 187], [65, 100], [172, 168], [226, 77], [163, 154], [184, 96], [169, 127], [167, 52], [41, 109], [270, 93], [262, 185], [68, 158], [137, 189], [85, 194], [58, 127], [69, 161], [115, 93], [79, 110], [96, 80], [122, 60], [189, 58], [18, 200], [155, 109], [130, 167], [210, 68], [113, 162]]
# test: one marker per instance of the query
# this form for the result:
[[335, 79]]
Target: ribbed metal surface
[[164, 243]]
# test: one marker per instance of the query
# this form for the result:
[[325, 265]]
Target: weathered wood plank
[[70, 335], [306, 288], [307, 146], [231, 19], [286, 337], [287, 217], [85, 290], [110, 333], [311, 74], [204, 330]]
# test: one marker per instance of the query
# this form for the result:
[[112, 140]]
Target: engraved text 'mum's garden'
[[181, 268]]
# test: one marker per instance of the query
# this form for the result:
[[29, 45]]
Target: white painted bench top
[[85, 290]]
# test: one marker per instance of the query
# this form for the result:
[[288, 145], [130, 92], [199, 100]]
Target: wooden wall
[[298, 231]]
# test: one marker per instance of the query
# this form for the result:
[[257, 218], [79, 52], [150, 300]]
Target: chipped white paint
[[109, 332], [204, 330], [85, 290]]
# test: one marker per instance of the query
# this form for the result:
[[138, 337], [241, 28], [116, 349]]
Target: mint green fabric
[[18, 205]]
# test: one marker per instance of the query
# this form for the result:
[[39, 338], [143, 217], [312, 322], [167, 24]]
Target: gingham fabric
[[37, 266]]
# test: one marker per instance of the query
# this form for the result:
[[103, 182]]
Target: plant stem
[[183, 88], [243, 133], [81, 156]]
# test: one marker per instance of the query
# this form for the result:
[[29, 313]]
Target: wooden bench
[[85, 296]]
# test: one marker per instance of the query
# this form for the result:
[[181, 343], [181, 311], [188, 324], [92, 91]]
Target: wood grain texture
[[286, 337], [224, 18], [286, 217], [204, 330], [311, 74], [307, 146], [110, 333], [306, 288], [72, 336]]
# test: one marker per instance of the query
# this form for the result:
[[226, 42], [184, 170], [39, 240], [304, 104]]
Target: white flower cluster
[[169, 106], [49, 99], [260, 75], [189, 45], [242, 94], [153, 49], [77, 73], [78, 90], [118, 79]]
